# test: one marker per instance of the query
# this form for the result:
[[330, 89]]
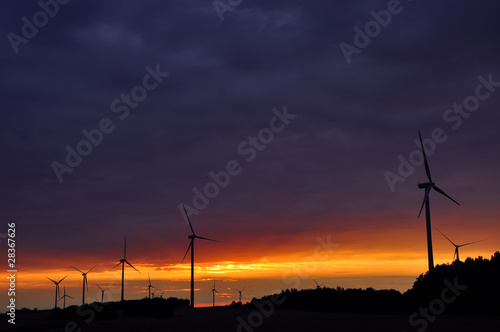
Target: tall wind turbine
[[239, 291], [428, 186], [318, 286], [192, 237], [85, 283], [456, 245], [122, 262], [150, 286], [57, 288], [64, 298], [102, 292], [213, 294]]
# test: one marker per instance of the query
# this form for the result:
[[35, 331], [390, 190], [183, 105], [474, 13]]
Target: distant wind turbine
[[318, 286], [57, 289], [85, 283], [122, 262], [150, 286], [428, 186], [102, 292], [64, 298], [192, 237], [456, 245], [213, 294], [239, 291]]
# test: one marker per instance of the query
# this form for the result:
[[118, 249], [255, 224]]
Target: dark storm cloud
[[225, 78]]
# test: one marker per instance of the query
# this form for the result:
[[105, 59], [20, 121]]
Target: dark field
[[225, 319]]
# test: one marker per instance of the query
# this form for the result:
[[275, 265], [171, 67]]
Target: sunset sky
[[306, 136]]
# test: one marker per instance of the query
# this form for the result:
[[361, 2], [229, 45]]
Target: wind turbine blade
[[239, 290], [115, 265], [445, 236], [51, 280], [132, 266], [443, 193], [189, 221], [426, 197], [243, 289], [62, 279], [189, 247], [425, 159], [87, 284], [99, 287], [204, 238], [315, 282], [78, 269], [71, 297], [471, 243], [149, 280], [91, 269], [125, 249]]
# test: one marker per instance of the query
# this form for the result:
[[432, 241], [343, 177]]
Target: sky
[[288, 129]]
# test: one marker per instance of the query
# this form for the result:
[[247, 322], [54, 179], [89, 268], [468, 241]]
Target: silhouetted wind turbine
[[428, 186], [192, 237], [102, 292], [213, 295], [122, 262], [57, 289], [456, 245], [239, 291], [318, 286], [150, 286], [64, 298], [85, 283]]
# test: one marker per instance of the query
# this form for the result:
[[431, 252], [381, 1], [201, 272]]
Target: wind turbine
[[318, 286], [456, 245], [239, 291], [428, 186], [102, 292], [192, 237], [57, 288], [122, 262], [85, 283], [213, 294], [64, 298], [150, 286]]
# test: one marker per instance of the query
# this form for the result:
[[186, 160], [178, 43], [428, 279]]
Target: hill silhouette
[[470, 287]]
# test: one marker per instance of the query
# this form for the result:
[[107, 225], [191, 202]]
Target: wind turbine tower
[[192, 237], [428, 186], [57, 289], [85, 283], [122, 262]]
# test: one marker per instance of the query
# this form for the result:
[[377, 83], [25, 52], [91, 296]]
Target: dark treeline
[[470, 287], [157, 307]]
